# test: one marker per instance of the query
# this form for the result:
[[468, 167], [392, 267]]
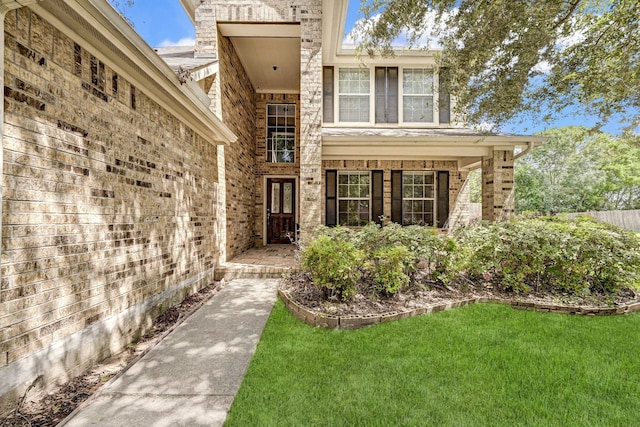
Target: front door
[[281, 210]]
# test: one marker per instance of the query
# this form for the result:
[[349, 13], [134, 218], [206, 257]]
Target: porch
[[265, 262]]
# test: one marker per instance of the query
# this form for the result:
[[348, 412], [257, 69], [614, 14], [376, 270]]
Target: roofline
[[98, 24], [189, 7], [481, 140]]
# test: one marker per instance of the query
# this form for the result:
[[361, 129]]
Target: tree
[[579, 170], [508, 58], [121, 6]]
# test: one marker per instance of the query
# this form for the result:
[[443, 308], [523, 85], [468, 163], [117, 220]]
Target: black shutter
[[386, 94], [377, 190], [331, 200], [396, 196], [443, 198], [444, 98], [327, 94]]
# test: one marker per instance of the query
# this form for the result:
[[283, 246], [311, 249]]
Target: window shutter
[[386, 94], [331, 200], [443, 198], [327, 94], [377, 191], [396, 196], [444, 98]]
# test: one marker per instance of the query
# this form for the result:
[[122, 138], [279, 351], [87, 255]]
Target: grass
[[483, 364]]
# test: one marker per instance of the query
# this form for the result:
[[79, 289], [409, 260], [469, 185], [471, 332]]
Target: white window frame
[[340, 199], [401, 121], [433, 198], [276, 133], [340, 95], [433, 94]]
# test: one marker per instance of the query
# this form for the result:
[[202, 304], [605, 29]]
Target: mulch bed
[[49, 409], [301, 289]]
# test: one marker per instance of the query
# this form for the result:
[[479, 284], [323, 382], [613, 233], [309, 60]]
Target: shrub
[[391, 266], [333, 266], [552, 254]]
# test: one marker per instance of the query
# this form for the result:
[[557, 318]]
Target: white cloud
[[430, 38], [186, 41]]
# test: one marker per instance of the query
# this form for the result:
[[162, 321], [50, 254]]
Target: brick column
[[310, 118], [497, 185]]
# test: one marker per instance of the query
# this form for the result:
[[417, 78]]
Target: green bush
[[553, 255], [423, 244], [333, 266], [391, 267]]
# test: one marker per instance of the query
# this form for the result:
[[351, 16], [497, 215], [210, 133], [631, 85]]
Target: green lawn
[[483, 364]]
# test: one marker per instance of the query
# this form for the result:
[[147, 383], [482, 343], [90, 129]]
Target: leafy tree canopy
[[579, 170], [508, 58]]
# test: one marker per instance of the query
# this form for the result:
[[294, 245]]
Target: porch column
[[498, 184], [311, 119]]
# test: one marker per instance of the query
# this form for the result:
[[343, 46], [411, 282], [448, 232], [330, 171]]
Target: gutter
[[98, 25]]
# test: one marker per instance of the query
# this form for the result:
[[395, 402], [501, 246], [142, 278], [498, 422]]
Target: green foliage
[[391, 266], [578, 170], [333, 265], [507, 57], [552, 255]]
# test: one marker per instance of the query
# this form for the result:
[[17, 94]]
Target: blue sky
[[164, 22]]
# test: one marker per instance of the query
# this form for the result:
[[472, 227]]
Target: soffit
[[270, 54]]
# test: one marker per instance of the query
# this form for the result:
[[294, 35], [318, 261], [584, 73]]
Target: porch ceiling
[[270, 54]]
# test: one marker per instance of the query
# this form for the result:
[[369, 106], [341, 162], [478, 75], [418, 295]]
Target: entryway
[[281, 211]]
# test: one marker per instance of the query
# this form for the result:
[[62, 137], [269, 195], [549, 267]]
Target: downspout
[[526, 151]]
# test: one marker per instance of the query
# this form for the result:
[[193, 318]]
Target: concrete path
[[192, 376]]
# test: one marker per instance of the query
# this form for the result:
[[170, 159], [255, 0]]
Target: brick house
[[325, 137], [129, 176], [109, 189]]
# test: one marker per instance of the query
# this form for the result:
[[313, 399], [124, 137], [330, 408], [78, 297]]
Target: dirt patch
[[301, 289], [50, 409]]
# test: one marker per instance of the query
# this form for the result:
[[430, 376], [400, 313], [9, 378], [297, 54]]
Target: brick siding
[[108, 199]]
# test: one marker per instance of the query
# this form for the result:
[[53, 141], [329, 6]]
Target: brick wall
[[498, 186], [108, 203], [456, 178], [308, 13], [263, 168], [239, 114]]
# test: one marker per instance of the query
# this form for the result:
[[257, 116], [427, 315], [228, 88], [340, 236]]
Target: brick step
[[252, 272]]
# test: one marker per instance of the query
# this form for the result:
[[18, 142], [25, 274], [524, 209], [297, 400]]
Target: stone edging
[[328, 321]]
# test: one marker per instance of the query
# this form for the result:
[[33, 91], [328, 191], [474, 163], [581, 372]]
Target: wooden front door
[[281, 210]]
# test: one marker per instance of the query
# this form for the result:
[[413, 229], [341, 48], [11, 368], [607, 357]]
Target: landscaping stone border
[[328, 321]]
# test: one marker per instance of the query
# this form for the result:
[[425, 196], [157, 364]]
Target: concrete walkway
[[192, 376]]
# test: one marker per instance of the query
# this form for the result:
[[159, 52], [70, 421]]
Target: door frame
[[296, 210]]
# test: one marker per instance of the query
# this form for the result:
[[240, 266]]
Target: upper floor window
[[281, 133], [393, 94], [353, 94], [417, 95]]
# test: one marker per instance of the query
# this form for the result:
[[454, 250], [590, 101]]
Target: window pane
[[354, 108], [275, 198], [281, 131], [418, 109], [353, 88], [287, 198], [353, 198], [417, 81], [418, 189]]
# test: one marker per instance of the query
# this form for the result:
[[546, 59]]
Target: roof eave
[[100, 25]]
